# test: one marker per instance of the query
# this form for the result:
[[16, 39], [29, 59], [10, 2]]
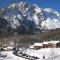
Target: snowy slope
[[49, 53]]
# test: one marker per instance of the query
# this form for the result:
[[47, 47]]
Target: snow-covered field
[[11, 56], [48, 53]]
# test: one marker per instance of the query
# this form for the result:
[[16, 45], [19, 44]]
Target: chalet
[[54, 43], [45, 44], [9, 48], [36, 46]]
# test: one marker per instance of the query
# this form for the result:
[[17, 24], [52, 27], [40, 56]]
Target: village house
[[45, 44], [54, 43], [50, 44], [36, 46], [9, 47]]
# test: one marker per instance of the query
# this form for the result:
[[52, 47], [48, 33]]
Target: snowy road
[[11, 56]]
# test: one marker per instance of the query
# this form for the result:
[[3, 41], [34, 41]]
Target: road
[[11, 56]]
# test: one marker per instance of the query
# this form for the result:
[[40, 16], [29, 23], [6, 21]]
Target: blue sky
[[54, 4]]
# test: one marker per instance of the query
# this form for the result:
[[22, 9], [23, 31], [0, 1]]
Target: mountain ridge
[[29, 19]]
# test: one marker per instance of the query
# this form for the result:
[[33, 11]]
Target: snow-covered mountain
[[28, 18]]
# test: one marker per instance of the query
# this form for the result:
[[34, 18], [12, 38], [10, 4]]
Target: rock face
[[28, 19]]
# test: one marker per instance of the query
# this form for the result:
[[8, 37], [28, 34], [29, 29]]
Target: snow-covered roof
[[45, 42], [9, 47], [38, 44], [31, 46], [54, 42]]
